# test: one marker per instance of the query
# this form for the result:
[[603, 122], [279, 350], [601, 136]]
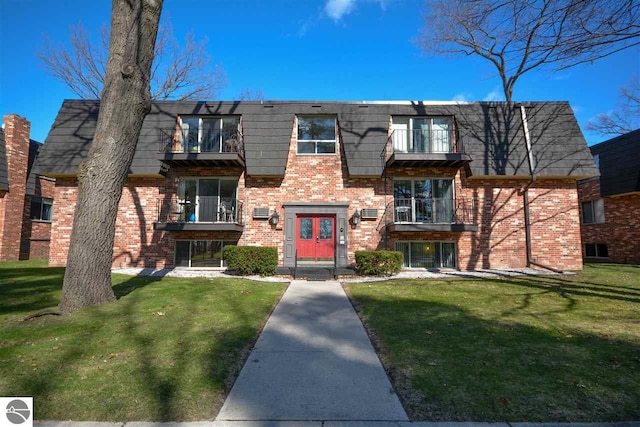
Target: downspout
[[525, 194]]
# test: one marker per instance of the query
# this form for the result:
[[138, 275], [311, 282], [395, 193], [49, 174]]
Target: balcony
[[417, 214], [200, 214], [424, 148], [201, 147]]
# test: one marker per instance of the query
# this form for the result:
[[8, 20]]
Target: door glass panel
[[182, 253], [404, 248], [206, 253], [448, 255], [421, 137], [208, 200], [190, 130], [187, 189], [422, 255], [401, 134], [423, 201], [326, 228], [230, 137], [441, 135], [210, 135], [228, 188], [306, 229], [443, 201]]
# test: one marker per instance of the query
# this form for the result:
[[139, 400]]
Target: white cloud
[[336, 9], [461, 97], [494, 95]]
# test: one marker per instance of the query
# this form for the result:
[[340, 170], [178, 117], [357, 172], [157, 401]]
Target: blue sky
[[298, 50]]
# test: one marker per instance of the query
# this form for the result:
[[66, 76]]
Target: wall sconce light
[[275, 218], [355, 219]]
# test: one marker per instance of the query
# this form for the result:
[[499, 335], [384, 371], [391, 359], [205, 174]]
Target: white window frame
[[413, 192], [316, 141], [197, 195], [410, 132], [597, 211], [201, 131], [437, 242]]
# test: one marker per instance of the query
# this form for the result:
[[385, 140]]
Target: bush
[[379, 263], [252, 259]]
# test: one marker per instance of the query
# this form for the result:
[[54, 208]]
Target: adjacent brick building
[[445, 183], [610, 203], [26, 199]]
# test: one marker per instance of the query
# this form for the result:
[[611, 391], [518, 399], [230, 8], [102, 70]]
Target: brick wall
[[36, 235], [498, 243], [621, 229], [16, 130]]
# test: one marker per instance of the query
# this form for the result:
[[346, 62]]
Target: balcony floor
[[202, 159], [443, 160], [425, 226], [198, 226]]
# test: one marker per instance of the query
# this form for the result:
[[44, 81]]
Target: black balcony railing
[[177, 140], [419, 141], [202, 210], [430, 211]]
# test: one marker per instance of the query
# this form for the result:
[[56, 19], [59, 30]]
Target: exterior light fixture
[[355, 219], [275, 218]]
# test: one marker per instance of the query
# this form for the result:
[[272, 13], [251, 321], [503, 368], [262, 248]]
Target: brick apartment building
[[445, 183], [610, 203], [26, 199]]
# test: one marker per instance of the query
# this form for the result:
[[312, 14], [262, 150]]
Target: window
[[316, 135], [422, 134], [593, 212], [208, 200], [422, 254], [208, 134], [201, 253], [596, 159], [423, 200], [41, 208], [596, 250]]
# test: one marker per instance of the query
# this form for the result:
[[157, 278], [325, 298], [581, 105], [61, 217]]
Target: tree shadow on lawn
[[569, 289], [29, 289], [448, 364], [132, 359]]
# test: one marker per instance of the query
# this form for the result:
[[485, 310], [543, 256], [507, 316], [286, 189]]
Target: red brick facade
[[20, 236], [498, 243], [36, 234], [16, 130], [621, 228]]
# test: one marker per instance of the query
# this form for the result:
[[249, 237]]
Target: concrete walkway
[[313, 361]]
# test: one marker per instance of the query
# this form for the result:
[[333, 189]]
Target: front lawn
[[556, 348], [168, 349]]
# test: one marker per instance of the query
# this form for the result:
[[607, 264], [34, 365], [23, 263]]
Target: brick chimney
[[16, 135]]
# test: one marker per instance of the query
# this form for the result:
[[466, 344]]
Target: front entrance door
[[315, 238]]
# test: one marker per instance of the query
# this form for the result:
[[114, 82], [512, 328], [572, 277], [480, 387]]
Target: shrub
[[379, 263], [252, 259]]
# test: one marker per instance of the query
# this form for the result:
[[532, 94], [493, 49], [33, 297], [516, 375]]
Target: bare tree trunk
[[126, 100]]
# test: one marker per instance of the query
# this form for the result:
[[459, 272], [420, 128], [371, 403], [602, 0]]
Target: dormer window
[[207, 134], [316, 135], [422, 135]]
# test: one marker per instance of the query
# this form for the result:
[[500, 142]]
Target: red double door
[[315, 238]]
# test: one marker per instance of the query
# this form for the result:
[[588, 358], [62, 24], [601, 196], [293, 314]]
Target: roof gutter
[[525, 194]]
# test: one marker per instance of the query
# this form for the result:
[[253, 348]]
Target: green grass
[[168, 349], [558, 348]]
